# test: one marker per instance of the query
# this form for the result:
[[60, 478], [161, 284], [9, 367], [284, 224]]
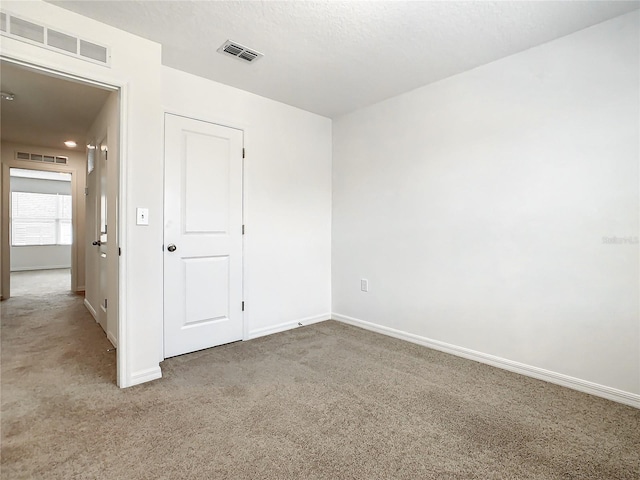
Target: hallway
[[40, 282]]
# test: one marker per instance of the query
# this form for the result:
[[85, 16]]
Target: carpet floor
[[327, 401]]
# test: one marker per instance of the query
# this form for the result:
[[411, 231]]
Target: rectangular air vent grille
[[38, 157], [234, 49], [43, 36]]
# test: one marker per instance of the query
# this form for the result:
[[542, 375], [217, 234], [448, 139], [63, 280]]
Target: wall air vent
[[234, 49], [38, 157], [52, 39]]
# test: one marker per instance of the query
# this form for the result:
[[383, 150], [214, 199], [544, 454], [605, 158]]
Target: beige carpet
[[40, 282], [326, 401]]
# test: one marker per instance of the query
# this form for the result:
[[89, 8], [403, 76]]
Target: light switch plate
[[142, 216], [364, 285]]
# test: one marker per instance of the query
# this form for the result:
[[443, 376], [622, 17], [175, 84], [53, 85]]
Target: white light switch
[[142, 216], [364, 285]]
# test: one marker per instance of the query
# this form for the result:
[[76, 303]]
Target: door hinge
[[119, 251], [243, 306], [243, 229], [106, 154], [105, 303], [86, 191], [243, 153]]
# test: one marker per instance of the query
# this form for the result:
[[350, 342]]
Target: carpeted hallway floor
[[327, 401]]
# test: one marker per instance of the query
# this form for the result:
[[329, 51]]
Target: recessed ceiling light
[[7, 96], [70, 144]]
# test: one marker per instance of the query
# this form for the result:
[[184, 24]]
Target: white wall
[[40, 257], [477, 206], [22, 258], [135, 65], [287, 210]]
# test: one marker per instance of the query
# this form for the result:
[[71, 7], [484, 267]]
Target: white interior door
[[101, 233], [203, 235]]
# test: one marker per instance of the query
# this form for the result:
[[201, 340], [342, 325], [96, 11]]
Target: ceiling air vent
[[37, 157], [30, 32], [234, 49]]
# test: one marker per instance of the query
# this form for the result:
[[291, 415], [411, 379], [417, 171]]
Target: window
[[40, 219]]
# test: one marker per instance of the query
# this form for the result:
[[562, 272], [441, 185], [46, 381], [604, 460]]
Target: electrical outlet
[[364, 285]]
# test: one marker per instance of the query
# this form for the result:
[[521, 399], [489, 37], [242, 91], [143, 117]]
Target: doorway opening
[[49, 166], [41, 230]]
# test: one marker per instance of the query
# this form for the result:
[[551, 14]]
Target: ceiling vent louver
[[234, 49], [37, 157], [43, 36]]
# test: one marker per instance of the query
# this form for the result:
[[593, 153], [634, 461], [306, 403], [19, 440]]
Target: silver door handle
[[171, 247]]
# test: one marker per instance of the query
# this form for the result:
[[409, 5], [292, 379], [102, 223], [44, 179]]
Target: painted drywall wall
[[40, 257], [135, 66], [484, 211], [287, 199], [19, 257]]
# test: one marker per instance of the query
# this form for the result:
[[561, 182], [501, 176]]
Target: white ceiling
[[333, 57], [47, 110]]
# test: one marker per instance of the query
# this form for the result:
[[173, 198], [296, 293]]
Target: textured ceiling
[[332, 57], [47, 110]]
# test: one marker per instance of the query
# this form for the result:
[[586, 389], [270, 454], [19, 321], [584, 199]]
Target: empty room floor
[[327, 401], [40, 282]]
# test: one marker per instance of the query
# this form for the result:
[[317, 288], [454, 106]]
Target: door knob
[[97, 242], [171, 247]]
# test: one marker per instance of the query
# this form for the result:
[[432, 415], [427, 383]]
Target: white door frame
[[111, 82], [237, 126]]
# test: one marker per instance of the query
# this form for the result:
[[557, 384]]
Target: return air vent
[[52, 39], [38, 157], [234, 49]]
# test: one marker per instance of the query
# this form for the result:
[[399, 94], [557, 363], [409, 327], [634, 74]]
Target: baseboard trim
[[91, 309], [145, 376], [40, 267], [584, 386], [112, 339], [281, 327]]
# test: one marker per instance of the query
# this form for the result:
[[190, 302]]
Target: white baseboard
[[112, 339], [281, 327], [80, 289], [91, 309], [144, 376], [40, 267], [585, 386]]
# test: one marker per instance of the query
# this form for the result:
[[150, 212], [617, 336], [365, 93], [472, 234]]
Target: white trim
[[41, 267], [123, 355], [281, 327], [143, 376], [112, 339], [585, 386], [91, 309]]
